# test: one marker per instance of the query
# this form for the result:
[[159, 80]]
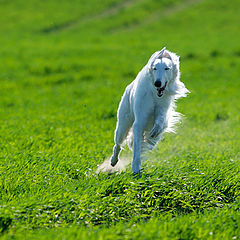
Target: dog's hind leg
[[123, 126], [124, 123]]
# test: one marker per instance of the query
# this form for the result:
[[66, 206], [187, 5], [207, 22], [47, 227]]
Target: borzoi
[[147, 107]]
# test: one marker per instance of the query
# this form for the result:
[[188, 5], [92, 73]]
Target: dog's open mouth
[[161, 89]]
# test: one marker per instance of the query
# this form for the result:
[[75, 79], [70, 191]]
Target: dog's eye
[[167, 68], [154, 68]]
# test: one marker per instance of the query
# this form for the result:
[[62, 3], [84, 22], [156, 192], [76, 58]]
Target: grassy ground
[[64, 66]]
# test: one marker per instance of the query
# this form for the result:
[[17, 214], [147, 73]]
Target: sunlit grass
[[58, 101]]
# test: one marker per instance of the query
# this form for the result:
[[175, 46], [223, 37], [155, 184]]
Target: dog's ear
[[166, 54], [175, 60], [156, 55]]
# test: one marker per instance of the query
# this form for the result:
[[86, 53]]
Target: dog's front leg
[[159, 125], [137, 144]]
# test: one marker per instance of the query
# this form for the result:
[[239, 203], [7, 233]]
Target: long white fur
[[143, 115]]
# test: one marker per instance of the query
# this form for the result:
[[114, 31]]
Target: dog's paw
[[113, 161], [137, 175], [155, 131]]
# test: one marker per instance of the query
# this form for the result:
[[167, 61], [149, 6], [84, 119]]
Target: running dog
[[147, 107]]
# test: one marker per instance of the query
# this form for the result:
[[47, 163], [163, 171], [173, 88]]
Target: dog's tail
[[129, 139]]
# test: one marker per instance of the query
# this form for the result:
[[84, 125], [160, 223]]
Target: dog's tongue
[[160, 92]]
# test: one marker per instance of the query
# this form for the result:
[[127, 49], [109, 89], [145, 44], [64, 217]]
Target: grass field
[[63, 68]]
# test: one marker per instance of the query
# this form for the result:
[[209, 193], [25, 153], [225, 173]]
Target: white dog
[[147, 107]]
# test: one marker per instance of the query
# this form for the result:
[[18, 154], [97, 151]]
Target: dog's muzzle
[[161, 89]]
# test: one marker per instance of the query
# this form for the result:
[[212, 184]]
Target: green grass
[[64, 66]]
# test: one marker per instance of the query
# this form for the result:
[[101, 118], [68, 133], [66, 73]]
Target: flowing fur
[[147, 107]]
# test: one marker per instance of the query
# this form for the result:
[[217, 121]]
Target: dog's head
[[164, 68]]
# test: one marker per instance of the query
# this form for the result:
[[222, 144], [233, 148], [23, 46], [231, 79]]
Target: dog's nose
[[157, 83]]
